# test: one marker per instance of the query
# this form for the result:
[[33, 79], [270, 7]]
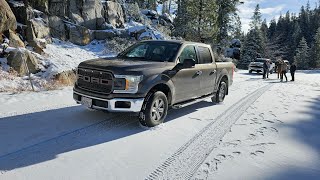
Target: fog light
[[123, 104]]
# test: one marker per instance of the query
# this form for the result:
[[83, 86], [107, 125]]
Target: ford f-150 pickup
[[151, 77]]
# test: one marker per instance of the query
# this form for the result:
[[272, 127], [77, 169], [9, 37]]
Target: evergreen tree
[[315, 51], [256, 18], [235, 27], [254, 45], [302, 55], [227, 13]]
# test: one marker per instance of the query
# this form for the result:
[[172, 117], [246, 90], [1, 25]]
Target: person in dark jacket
[[293, 69], [265, 70]]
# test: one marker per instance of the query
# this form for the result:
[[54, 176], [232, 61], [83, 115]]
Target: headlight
[[126, 83]]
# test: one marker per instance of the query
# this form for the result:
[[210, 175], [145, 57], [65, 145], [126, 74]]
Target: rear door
[[187, 81], [208, 70]]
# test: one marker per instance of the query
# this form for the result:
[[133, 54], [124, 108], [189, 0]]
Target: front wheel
[[221, 94], [154, 109]]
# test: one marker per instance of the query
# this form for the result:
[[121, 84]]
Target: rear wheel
[[154, 110], [221, 94]]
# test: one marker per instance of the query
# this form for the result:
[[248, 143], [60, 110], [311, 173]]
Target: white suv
[[257, 65]]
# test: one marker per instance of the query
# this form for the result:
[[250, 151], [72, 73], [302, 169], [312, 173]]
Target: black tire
[[154, 109], [222, 91], [250, 71]]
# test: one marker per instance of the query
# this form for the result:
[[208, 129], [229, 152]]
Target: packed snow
[[264, 130]]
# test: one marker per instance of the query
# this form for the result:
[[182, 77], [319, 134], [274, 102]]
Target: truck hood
[[124, 66], [256, 64]]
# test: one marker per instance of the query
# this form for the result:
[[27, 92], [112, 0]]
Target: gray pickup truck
[[151, 77]]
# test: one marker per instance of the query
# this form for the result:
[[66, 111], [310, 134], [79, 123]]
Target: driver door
[[187, 81]]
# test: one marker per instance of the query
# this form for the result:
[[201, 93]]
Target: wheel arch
[[165, 88], [224, 78]]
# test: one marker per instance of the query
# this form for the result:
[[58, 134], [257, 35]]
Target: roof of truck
[[178, 41]]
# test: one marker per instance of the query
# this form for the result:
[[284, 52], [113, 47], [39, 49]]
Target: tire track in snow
[[188, 158], [77, 139]]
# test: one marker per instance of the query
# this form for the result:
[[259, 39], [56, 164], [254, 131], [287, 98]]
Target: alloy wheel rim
[[222, 93], [157, 109]]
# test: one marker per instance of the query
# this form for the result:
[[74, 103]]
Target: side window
[[189, 52], [205, 55], [139, 51]]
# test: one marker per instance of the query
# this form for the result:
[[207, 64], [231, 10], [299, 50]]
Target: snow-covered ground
[[263, 130]]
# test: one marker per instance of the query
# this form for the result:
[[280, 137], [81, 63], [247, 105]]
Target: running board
[[187, 103]]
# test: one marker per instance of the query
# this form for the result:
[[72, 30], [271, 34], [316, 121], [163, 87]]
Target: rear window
[[204, 55]]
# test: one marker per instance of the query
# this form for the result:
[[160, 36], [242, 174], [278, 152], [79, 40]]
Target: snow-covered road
[[263, 130]]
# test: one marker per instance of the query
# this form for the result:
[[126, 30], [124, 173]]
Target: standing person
[[278, 67], [268, 68], [265, 69], [283, 71], [293, 69]]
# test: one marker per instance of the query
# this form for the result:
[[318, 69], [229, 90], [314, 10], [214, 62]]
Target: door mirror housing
[[188, 63]]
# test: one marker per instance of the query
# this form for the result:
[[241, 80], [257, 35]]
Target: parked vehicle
[[257, 65], [152, 76]]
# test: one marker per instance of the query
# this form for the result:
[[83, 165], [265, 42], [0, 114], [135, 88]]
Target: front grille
[[93, 80]]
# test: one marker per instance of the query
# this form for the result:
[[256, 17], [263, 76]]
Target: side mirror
[[188, 63]]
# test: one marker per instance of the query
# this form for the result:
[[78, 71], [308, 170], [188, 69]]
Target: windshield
[[152, 51]]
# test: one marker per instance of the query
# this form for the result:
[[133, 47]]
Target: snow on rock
[[63, 56], [59, 57], [17, 3]]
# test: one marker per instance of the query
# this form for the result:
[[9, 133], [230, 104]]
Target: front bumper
[[112, 105]]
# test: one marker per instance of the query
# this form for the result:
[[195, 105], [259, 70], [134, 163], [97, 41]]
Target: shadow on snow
[[97, 128], [307, 132]]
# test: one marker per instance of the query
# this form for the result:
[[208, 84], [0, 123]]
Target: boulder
[[19, 10], [114, 14], [41, 5], [132, 12], [32, 39], [66, 77], [7, 18], [79, 35], [104, 34], [40, 28], [15, 40], [146, 36], [18, 59], [86, 13], [57, 27], [58, 8]]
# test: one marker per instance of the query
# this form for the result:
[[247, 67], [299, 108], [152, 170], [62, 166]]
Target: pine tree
[[315, 51], [302, 55], [196, 20], [256, 18], [226, 11], [235, 27], [254, 45]]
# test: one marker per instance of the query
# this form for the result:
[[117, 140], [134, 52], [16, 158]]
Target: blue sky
[[270, 9]]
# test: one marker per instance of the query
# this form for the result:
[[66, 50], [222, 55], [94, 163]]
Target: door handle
[[214, 71], [199, 73]]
